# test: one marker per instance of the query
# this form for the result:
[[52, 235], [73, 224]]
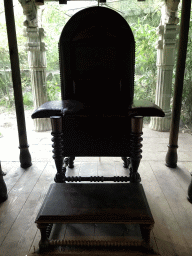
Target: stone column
[[37, 62], [166, 46]]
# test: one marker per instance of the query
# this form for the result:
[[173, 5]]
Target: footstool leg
[[44, 242], [145, 232]]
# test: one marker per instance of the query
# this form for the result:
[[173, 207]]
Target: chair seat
[[111, 136]]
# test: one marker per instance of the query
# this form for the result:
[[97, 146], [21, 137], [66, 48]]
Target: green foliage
[[186, 113], [6, 98], [53, 87], [145, 66], [53, 20], [6, 88], [28, 99]]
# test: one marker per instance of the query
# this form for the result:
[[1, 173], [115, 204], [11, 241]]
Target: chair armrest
[[57, 108], [145, 108]]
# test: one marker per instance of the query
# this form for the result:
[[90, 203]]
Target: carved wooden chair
[[97, 115]]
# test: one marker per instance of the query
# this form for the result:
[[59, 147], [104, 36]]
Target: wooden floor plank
[[34, 203], [13, 173], [176, 198], [34, 246], [182, 174], [79, 232], [17, 198], [23, 229], [73, 171], [106, 169], [120, 170], [88, 169], [166, 230], [153, 242]]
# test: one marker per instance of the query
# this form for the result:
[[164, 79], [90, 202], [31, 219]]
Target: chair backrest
[[97, 58]]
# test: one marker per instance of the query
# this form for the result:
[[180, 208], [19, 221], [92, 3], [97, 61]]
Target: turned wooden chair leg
[[135, 146], [56, 122], [126, 161], [71, 162]]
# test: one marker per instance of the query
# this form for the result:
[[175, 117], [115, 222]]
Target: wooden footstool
[[123, 203]]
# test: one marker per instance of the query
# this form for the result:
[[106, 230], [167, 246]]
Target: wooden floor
[[165, 188]]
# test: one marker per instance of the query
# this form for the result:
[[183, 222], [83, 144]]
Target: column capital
[[169, 14], [160, 30], [169, 43], [167, 29], [43, 47], [170, 29], [35, 36], [32, 46], [30, 10], [159, 44], [34, 32], [31, 32], [42, 32]]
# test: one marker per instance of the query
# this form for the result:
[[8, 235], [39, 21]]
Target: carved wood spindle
[[135, 146], [56, 122]]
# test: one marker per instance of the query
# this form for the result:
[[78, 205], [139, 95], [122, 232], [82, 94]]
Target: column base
[[42, 124], [25, 157], [171, 156], [161, 124]]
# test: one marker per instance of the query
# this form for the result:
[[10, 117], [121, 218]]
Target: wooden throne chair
[[97, 115]]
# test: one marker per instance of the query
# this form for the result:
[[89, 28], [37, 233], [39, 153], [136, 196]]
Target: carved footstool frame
[[55, 211]]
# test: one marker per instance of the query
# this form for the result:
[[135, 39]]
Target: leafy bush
[[53, 19], [145, 66], [28, 99], [53, 87], [186, 112]]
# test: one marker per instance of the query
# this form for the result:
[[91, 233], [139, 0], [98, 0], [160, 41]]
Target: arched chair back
[[97, 58]]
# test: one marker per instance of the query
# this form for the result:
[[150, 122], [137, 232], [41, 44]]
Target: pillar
[[25, 157], [37, 62], [166, 46]]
